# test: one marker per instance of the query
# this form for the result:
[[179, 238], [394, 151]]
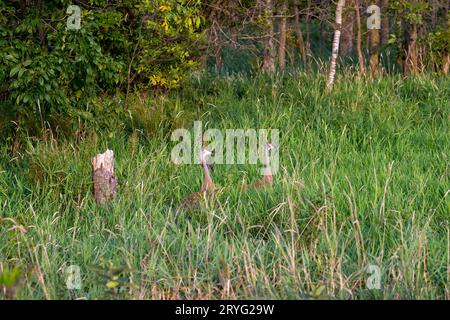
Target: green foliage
[[10, 281], [114, 280], [433, 40], [167, 42], [411, 10], [9, 277], [438, 44], [51, 70]]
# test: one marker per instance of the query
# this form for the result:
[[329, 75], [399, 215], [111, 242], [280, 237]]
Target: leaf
[[21, 71], [11, 57], [14, 71], [317, 292], [164, 8], [112, 284], [9, 277]]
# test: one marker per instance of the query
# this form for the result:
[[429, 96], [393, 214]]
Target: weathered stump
[[104, 181]]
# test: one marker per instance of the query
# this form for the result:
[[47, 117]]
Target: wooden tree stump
[[104, 181]]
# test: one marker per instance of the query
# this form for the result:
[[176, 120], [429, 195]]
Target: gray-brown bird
[[193, 200], [267, 178]]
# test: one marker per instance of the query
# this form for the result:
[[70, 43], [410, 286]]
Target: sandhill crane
[[267, 178], [192, 201]]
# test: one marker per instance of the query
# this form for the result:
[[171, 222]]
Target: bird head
[[270, 146], [203, 154]]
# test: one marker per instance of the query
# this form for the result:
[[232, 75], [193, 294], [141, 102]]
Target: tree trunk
[[446, 9], [335, 47], [104, 181], [446, 59], [374, 44], [446, 64], [347, 31], [217, 47], [282, 46], [411, 61], [322, 19], [384, 21], [307, 31], [299, 35], [268, 53], [361, 63], [374, 60], [434, 9]]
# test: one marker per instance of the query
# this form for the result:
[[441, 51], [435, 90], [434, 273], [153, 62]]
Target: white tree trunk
[[336, 38], [361, 64]]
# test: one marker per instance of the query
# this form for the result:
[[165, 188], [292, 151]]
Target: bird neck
[[267, 169], [207, 180]]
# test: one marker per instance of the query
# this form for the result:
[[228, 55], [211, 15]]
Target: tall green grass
[[363, 180]]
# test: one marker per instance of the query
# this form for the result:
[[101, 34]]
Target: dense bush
[[51, 74]]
